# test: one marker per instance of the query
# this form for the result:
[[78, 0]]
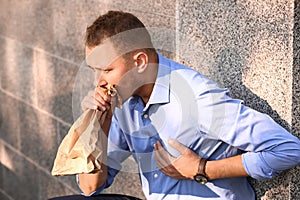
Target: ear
[[141, 61]]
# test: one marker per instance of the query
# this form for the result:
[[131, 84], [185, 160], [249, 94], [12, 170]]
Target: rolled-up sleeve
[[269, 148]]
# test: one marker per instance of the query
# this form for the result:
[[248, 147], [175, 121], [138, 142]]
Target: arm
[[225, 168], [97, 99], [117, 152], [89, 183], [269, 148]]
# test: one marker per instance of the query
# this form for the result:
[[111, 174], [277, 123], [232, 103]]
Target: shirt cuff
[[256, 167]]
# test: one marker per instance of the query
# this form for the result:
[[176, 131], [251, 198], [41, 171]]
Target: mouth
[[111, 89]]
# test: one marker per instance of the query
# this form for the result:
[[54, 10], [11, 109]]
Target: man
[[188, 137]]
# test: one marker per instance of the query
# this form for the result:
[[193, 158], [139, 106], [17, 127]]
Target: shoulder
[[191, 79]]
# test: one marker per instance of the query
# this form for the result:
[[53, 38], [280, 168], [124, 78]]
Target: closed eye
[[107, 70]]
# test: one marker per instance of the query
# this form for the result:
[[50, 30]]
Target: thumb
[[177, 145]]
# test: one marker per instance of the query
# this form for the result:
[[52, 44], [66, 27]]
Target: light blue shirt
[[192, 109]]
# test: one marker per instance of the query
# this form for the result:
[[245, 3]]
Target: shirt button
[[145, 116], [155, 175]]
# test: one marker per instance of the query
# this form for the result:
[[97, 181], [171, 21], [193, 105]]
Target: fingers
[[187, 156], [97, 99], [177, 145], [172, 172], [88, 103], [161, 156], [164, 162], [102, 97]]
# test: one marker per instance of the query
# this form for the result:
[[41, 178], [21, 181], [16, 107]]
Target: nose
[[98, 77]]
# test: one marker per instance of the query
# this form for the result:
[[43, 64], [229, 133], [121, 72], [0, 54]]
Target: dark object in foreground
[[98, 197]]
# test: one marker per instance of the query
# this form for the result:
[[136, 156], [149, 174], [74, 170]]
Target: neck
[[145, 92]]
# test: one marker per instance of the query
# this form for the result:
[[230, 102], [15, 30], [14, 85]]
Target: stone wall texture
[[250, 47]]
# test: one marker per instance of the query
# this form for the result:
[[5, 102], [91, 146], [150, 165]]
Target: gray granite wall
[[295, 186], [251, 47]]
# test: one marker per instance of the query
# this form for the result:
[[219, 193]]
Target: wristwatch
[[201, 177]]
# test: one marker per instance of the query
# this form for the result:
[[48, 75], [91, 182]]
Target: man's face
[[111, 73]]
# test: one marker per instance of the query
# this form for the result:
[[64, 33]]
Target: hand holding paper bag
[[84, 147]]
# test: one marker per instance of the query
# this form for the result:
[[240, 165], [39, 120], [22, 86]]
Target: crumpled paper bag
[[84, 148]]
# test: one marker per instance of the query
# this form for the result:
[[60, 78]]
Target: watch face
[[199, 178]]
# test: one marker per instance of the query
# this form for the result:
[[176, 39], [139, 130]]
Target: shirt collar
[[161, 89]]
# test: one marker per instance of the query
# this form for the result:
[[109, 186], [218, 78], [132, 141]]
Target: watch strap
[[201, 167]]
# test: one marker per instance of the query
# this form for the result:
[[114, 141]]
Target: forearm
[[225, 168], [89, 183]]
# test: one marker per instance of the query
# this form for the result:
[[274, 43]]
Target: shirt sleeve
[[269, 148], [117, 152]]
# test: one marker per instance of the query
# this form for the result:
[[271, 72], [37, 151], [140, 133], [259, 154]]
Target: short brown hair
[[113, 23]]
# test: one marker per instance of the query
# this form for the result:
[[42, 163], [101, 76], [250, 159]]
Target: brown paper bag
[[84, 148]]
